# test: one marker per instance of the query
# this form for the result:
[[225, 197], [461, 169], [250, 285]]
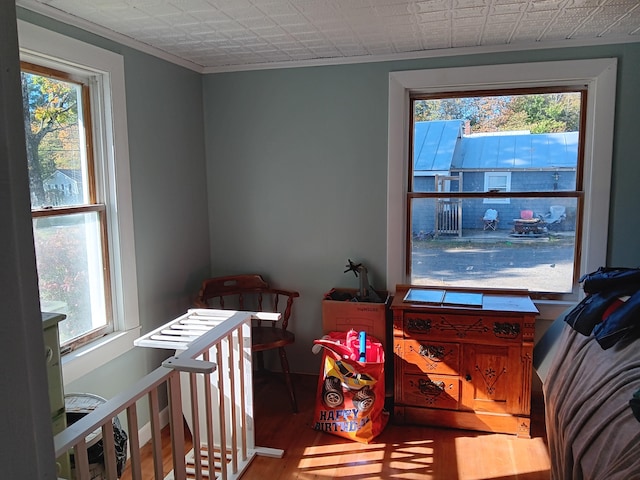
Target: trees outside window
[[69, 220]]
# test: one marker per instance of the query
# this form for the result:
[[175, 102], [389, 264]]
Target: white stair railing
[[208, 381]]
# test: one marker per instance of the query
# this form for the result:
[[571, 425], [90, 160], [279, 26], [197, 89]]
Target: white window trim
[[599, 75], [47, 48], [487, 175]]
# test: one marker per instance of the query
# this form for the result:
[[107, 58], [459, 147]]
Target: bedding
[[589, 392]]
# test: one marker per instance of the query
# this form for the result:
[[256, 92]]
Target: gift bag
[[351, 392]]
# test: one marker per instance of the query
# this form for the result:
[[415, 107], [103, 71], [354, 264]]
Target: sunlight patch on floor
[[413, 459], [340, 448], [505, 456], [321, 456]]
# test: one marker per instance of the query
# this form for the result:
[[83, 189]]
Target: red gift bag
[[351, 393]]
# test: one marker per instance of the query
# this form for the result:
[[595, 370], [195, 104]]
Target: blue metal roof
[[508, 151], [434, 144], [439, 146]]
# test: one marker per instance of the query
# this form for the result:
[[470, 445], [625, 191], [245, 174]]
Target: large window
[[585, 199], [69, 222], [76, 131], [493, 197]]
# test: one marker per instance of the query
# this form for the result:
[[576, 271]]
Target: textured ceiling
[[222, 35]]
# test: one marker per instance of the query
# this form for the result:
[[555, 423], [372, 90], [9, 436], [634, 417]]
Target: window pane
[[497, 182], [490, 147], [527, 243], [70, 271], [55, 141], [532, 137]]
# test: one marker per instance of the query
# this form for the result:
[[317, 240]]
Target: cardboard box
[[342, 316]]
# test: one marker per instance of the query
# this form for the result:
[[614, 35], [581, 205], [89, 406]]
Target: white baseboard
[[144, 433]]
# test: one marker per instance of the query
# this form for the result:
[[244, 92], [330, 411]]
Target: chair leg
[[287, 377]]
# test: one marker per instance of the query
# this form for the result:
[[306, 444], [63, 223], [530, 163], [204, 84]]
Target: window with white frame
[[77, 149], [505, 148], [69, 216], [497, 182], [595, 77]]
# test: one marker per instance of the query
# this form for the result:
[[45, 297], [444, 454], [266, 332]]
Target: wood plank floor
[[400, 452]]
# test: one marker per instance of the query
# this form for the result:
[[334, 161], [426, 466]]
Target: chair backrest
[[556, 213], [526, 214], [246, 292], [490, 215]]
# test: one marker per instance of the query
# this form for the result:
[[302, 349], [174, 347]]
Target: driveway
[[544, 264]]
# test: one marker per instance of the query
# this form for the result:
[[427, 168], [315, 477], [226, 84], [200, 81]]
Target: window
[[521, 147], [81, 194], [69, 222], [497, 182], [595, 78]]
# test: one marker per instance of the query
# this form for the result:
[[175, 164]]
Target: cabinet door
[[492, 378]]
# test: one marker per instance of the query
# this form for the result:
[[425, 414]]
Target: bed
[[591, 428]]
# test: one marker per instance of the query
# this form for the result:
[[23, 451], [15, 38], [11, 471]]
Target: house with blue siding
[[448, 158]]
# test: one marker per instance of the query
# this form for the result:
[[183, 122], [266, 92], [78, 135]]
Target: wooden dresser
[[464, 366]]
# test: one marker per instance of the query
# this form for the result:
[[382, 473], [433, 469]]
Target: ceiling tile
[[223, 33]]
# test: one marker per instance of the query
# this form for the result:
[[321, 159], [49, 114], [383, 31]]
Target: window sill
[[86, 359], [552, 309]]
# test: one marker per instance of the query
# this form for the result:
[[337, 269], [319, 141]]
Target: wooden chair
[[252, 293]]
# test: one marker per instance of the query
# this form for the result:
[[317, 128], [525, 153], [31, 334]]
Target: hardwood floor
[[400, 452]]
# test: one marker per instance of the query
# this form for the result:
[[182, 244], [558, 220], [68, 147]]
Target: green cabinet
[[56, 385]]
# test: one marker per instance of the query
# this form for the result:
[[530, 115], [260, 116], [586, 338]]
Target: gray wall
[[297, 170], [166, 149]]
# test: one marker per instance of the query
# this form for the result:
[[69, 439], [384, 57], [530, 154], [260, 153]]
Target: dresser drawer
[[426, 356], [433, 391], [463, 327]]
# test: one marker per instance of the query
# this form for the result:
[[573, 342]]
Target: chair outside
[[490, 219], [252, 293], [556, 216]]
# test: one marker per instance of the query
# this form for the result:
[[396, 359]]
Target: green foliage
[[51, 128], [548, 113], [537, 113], [53, 103]]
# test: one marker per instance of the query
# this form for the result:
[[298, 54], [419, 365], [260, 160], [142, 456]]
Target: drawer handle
[[418, 325], [48, 354], [432, 352], [467, 377], [431, 391], [506, 330], [430, 388]]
